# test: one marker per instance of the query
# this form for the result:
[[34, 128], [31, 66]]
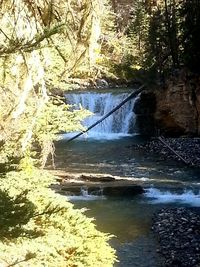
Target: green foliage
[[190, 28], [16, 211], [41, 44], [138, 33], [56, 118], [161, 37], [37, 127], [40, 228]]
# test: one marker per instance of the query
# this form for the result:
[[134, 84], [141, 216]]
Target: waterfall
[[119, 124]]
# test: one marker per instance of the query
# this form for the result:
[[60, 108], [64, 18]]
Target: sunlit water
[[166, 183], [129, 219]]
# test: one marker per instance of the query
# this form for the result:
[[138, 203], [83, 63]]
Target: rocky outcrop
[[178, 106], [173, 110]]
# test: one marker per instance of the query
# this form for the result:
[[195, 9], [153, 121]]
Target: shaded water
[[108, 150]]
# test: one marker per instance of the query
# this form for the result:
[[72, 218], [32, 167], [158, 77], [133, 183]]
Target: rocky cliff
[[178, 106], [173, 110]]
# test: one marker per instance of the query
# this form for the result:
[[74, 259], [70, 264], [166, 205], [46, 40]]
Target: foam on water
[[85, 196], [94, 135], [188, 197]]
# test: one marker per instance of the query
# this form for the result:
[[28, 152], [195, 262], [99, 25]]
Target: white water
[[85, 196], [118, 125], [152, 195], [188, 197]]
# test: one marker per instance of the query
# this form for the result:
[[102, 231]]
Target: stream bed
[[166, 183]]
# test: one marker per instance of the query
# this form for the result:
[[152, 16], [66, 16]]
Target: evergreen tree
[[190, 29], [41, 44]]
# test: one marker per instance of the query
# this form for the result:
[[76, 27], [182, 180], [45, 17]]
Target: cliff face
[[171, 111], [178, 106]]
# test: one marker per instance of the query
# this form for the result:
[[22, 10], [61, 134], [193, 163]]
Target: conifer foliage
[[170, 38], [42, 43]]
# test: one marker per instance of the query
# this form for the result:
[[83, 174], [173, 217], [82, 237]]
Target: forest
[[45, 47]]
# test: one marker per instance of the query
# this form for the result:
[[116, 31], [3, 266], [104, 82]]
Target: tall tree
[[171, 30], [190, 28]]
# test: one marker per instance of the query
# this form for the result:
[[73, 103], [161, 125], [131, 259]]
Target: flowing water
[[108, 149], [119, 124]]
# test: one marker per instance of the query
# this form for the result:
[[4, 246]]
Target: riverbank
[[178, 233], [187, 148]]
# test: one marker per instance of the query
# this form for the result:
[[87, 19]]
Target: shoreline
[[178, 234], [186, 147]]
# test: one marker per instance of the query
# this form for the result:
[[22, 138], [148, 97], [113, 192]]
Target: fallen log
[[172, 150]]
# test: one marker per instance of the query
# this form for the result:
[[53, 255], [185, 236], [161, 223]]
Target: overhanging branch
[[32, 44]]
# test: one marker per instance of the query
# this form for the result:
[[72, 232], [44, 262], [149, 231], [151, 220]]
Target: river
[[108, 149]]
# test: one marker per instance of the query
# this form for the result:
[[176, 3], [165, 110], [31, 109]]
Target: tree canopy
[[41, 44], [163, 36]]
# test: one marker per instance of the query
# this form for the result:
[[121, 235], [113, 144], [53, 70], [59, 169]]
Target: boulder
[[122, 191], [112, 190], [99, 178], [95, 184], [101, 83], [106, 190]]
